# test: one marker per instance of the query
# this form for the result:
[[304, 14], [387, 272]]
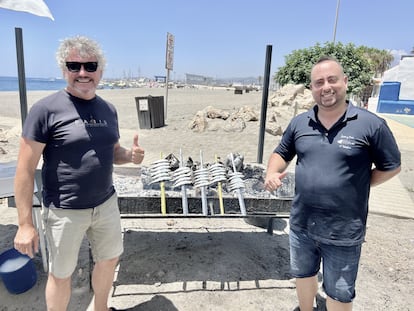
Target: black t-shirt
[[78, 157]]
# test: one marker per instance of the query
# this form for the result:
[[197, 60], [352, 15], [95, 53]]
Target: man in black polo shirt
[[341, 152]]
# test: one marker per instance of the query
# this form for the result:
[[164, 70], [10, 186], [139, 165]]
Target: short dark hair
[[325, 58]]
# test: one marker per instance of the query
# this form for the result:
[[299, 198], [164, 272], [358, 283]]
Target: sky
[[214, 38]]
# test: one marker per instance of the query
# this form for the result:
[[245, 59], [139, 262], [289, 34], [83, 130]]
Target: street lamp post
[[336, 20]]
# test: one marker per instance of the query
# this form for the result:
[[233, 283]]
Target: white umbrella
[[36, 7]]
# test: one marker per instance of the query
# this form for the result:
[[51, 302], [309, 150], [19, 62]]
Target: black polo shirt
[[333, 172]]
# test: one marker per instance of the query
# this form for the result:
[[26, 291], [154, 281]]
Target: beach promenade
[[393, 197]]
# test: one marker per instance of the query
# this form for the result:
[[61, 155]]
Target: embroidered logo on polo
[[346, 142]]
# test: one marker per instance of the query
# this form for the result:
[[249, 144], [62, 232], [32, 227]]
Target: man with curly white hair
[[77, 134]]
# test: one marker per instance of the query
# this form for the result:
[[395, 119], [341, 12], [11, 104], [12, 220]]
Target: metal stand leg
[[270, 226]]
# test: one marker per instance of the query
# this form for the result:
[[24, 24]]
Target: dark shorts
[[339, 264]]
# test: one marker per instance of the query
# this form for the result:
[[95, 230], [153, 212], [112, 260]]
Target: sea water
[[32, 84]]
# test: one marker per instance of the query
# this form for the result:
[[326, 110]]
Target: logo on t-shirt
[[346, 142], [91, 122]]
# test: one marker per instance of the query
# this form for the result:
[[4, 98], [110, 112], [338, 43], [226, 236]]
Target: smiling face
[[329, 85], [82, 83]]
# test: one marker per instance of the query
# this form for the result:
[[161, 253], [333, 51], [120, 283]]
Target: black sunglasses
[[76, 66]]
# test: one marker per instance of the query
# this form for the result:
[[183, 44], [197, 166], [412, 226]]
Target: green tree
[[379, 60], [356, 65]]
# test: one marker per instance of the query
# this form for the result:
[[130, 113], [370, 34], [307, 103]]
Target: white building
[[403, 73]]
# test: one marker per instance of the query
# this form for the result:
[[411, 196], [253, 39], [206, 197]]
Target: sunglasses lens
[[90, 66], [76, 66], [73, 66]]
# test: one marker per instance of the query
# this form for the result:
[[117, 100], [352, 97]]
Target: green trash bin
[[143, 112], [150, 111]]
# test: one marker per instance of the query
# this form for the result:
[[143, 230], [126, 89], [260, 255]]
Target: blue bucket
[[17, 271]]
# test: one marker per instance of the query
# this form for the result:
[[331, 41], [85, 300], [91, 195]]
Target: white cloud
[[397, 56]]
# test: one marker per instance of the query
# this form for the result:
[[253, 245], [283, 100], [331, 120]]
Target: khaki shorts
[[66, 229]]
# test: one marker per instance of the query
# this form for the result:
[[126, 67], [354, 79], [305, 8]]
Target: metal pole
[[336, 20], [21, 74], [265, 96], [167, 80], [169, 58]]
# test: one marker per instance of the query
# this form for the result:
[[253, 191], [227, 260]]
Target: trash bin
[[150, 111]]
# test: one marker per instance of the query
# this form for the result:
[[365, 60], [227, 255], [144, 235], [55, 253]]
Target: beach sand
[[209, 264], [182, 105]]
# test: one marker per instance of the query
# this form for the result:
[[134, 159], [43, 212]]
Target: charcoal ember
[[173, 161], [238, 160]]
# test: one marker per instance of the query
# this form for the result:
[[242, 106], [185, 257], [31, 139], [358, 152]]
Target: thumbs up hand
[[137, 152], [273, 180]]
